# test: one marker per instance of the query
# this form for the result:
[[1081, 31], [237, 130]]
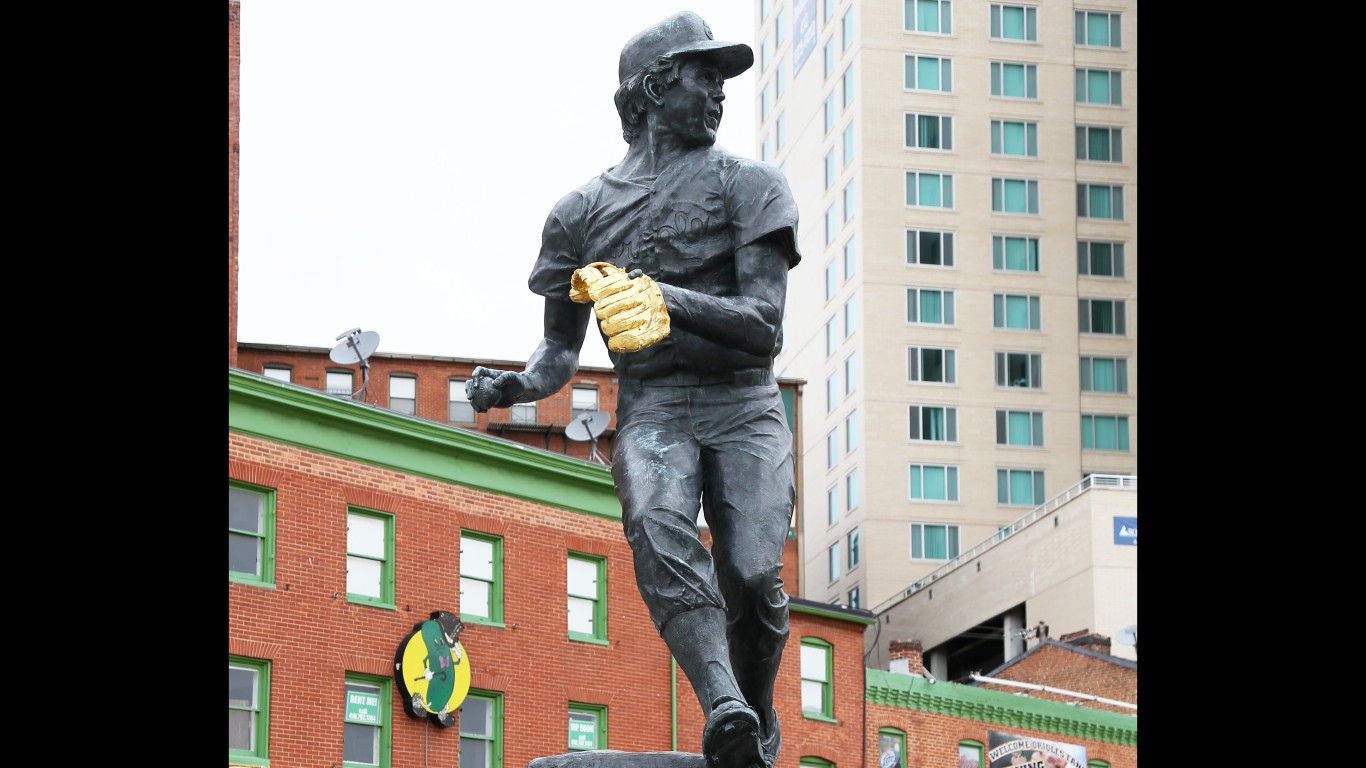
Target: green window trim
[[598, 600], [385, 599], [494, 739], [259, 753], [491, 580], [891, 740], [264, 575], [810, 647], [385, 735], [815, 762], [599, 714], [976, 747]]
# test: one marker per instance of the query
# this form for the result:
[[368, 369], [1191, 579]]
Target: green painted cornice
[[309, 419], [1007, 709], [797, 607]]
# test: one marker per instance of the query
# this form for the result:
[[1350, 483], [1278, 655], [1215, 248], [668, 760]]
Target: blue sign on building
[[1126, 531], [803, 33]]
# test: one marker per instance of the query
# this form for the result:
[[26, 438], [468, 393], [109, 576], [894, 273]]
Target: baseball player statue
[[681, 252]]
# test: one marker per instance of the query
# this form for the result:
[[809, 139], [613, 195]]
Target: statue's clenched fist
[[491, 388]]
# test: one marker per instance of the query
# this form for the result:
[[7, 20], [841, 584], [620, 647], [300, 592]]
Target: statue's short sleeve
[[561, 248], [761, 204]]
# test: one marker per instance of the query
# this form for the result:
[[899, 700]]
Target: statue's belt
[[745, 377]]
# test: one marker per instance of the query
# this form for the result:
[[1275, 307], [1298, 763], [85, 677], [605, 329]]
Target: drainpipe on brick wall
[[1033, 687]]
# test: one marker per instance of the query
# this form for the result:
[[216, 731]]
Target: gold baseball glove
[[630, 309]]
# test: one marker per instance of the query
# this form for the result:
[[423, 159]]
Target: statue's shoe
[[731, 738]]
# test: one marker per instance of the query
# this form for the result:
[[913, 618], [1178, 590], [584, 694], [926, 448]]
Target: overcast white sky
[[398, 160]]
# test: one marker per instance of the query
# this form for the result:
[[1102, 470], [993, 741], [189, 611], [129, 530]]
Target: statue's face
[[692, 106]]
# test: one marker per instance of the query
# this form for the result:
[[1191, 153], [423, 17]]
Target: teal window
[[934, 482], [1100, 144], [850, 316], [1100, 259], [850, 258], [1101, 316], [851, 373], [1105, 374], [1096, 28], [934, 423], [830, 112], [891, 748], [847, 31], [832, 505], [848, 144], [931, 365], [832, 561], [403, 393], [370, 558], [1015, 138], [831, 225], [854, 600], [1014, 80], [929, 248], [1019, 369], [847, 87], [831, 392], [929, 131], [849, 204], [925, 189], [587, 580], [827, 10], [780, 28], [1014, 22], [251, 534], [829, 57], [1015, 196], [1014, 253], [481, 730], [931, 16], [970, 754], [928, 73], [832, 448], [366, 733], [851, 432], [1098, 86], [817, 659], [1018, 312], [1104, 433], [929, 306], [765, 53], [1023, 428], [853, 549], [933, 542], [831, 337], [830, 283], [248, 711], [587, 727], [851, 490], [1019, 486], [830, 168], [481, 578], [1100, 201], [460, 410]]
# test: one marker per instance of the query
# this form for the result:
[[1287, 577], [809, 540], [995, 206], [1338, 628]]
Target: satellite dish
[[1128, 635], [356, 347], [586, 427]]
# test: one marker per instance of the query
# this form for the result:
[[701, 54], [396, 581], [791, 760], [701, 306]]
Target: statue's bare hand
[[491, 388]]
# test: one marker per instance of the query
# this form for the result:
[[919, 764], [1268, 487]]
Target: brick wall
[[1059, 666]]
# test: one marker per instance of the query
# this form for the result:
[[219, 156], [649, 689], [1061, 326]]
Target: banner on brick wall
[[1005, 750]]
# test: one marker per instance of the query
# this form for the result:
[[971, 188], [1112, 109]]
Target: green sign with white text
[[583, 731], [362, 708]]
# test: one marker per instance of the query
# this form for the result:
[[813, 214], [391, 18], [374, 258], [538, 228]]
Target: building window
[[850, 373], [931, 16], [370, 558], [1096, 28], [851, 432], [850, 258], [522, 413], [365, 736], [780, 83], [831, 225], [929, 306], [278, 372], [847, 87], [481, 730], [832, 561], [934, 423], [1015, 254], [830, 113], [848, 147], [931, 365], [481, 578], [851, 491], [766, 148], [847, 31], [828, 10], [853, 598], [1105, 374], [1097, 259], [460, 410], [934, 542], [832, 505], [1019, 428], [1019, 486], [251, 534], [584, 400], [929, 131], [248, 711], [403, 394], [850, 316], [1014, 311], [832, 448], [1015, 196], [1019, 369], [1015, 138], [1014, 22], [925, 189], [1104, 433], [830, 284], [780, 28], [780, 129], [1101, 316], [849, 200], [765, 102], [891, 748], [815, 762], [831, 392], [928, 73], [587, 727], [831, 337], [1014, 80], [765, 53], [1100, 201], [928, 247], [830, 168], [587, 598], [853, 549], [817, 674], [829, 58], [339, 383], [970, 754], [1098, 86], [1100, 144], [934, 482]]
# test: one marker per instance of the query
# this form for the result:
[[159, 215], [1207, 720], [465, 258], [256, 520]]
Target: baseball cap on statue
[[683, 32]]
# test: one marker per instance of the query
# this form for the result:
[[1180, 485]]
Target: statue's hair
[[631, 98]]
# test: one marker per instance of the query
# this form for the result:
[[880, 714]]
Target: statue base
[[609, 758]]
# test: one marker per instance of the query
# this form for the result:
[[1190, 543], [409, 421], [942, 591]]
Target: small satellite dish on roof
[[1128, 636], [586, 427], [356, 347]]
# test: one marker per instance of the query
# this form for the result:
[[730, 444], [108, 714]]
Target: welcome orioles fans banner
[[1006, 750]]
